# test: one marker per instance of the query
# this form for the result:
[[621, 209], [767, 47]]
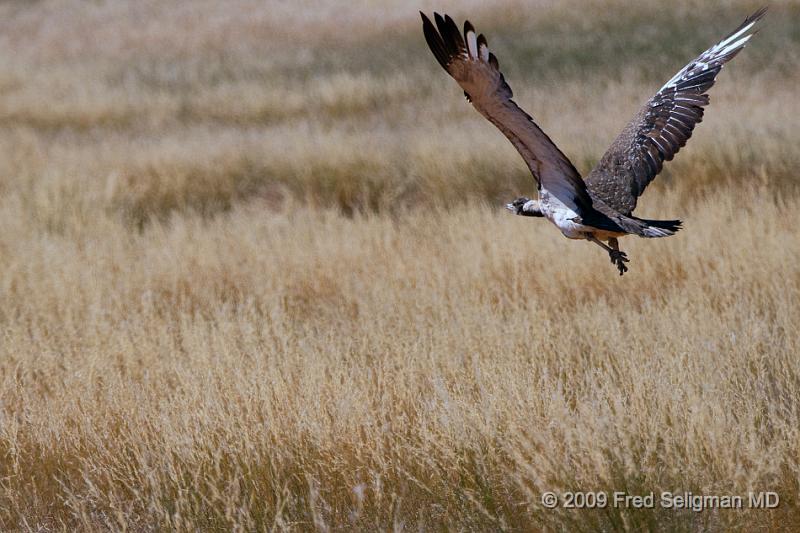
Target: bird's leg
[[617, 257]]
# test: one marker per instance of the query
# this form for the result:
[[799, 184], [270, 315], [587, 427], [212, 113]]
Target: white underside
[[564, 219], [562, 216]]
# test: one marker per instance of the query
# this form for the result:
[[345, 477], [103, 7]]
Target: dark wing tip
[[440, 25], [434, 40], [449, 36], [758, 15], [453, 36], [752, 19]]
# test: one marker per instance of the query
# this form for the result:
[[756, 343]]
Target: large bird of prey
[[599, 208]]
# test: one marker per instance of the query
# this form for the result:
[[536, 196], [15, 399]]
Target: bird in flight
[[599, 208]]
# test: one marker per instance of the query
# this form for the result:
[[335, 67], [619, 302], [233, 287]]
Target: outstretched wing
[[468, 60], [663, 125]]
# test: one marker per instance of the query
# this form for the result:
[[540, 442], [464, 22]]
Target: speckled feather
[[662, 126]]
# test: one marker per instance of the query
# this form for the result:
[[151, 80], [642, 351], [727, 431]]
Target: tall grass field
[[256, 274]]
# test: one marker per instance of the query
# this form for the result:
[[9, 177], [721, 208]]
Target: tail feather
[[613, 221], [659, 228]]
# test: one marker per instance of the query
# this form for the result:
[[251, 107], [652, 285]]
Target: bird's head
[[525, 206], [516, 205]]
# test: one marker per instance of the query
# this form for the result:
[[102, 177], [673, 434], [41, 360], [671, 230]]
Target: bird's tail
[[659, 228]]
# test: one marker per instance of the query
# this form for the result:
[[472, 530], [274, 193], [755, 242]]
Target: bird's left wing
[[663, 125], [468, 60]]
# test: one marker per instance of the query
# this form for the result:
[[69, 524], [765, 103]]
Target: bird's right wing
[[663, 125], [468, 60]]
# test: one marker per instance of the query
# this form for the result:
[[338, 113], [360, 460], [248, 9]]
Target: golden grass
[[254, 274], [286, 368]]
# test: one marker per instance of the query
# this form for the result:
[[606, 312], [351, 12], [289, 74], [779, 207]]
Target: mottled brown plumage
[[662, 126], [486, 88]]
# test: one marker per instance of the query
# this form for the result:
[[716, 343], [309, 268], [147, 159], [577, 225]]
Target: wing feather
[[663, 125], [468, 60]]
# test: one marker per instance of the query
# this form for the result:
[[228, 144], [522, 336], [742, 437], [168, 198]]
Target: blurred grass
[[368, 102]]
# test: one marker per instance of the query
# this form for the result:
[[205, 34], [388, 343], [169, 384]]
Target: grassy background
[[255, 274]]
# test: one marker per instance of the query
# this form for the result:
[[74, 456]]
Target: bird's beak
[[511, 207]]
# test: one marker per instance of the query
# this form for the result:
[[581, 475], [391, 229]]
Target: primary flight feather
[[600, 208]]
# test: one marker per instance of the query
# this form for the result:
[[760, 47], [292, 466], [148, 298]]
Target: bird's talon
[[619, 259]]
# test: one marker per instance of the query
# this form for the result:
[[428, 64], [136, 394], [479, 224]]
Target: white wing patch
[[472, 44], [484, 52]]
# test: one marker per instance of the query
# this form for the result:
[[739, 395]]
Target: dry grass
[[254, 276]]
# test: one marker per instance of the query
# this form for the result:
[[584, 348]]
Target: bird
[[599, 208]]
